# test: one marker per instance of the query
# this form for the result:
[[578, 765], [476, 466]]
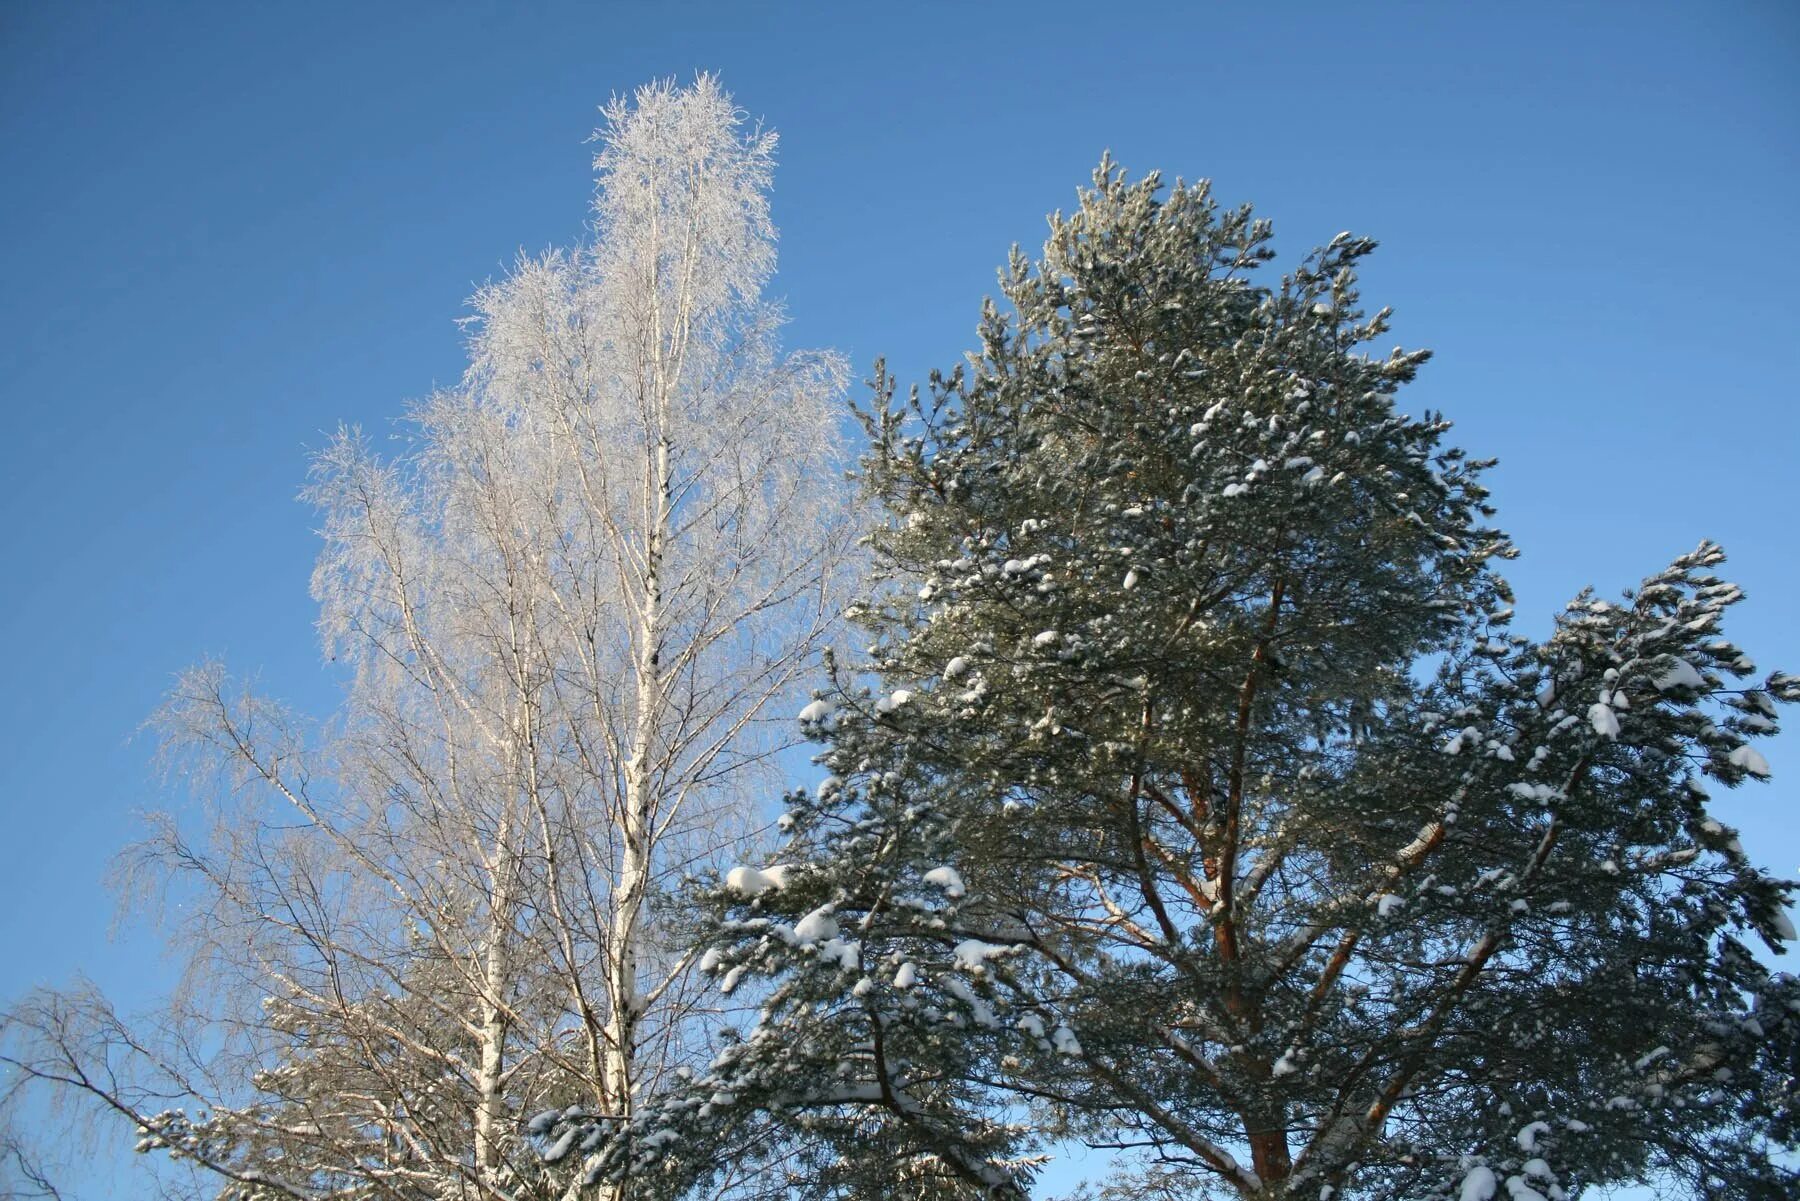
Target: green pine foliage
[[1193, 797]]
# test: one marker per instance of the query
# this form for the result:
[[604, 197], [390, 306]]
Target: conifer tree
[[1194, 798]]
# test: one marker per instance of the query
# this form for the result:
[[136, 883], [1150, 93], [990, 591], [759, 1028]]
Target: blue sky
[[226, 228]]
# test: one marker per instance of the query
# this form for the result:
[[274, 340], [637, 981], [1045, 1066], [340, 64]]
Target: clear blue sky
[[226, 228]]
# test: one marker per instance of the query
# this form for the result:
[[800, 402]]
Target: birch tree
[[570, 608], [1197, 800]]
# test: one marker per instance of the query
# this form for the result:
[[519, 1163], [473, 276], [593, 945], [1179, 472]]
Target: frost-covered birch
[[572, 610]]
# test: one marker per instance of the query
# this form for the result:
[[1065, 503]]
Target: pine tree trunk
[[1270, 1158]]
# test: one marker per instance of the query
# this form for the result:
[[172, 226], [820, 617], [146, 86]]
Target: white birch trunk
[[491, 1114]]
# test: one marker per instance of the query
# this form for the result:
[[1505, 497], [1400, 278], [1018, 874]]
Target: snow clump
[[750, 881], [948, 879]]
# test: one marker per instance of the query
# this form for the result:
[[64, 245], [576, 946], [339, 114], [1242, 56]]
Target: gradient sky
[[225, 229]]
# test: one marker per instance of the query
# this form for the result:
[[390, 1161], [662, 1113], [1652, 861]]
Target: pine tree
[[1195, 799]]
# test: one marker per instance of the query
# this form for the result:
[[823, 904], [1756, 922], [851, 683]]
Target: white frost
[[1604, 720]]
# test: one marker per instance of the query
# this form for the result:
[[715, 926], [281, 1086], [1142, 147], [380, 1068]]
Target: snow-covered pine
[[1245, 912], [573, 609]]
